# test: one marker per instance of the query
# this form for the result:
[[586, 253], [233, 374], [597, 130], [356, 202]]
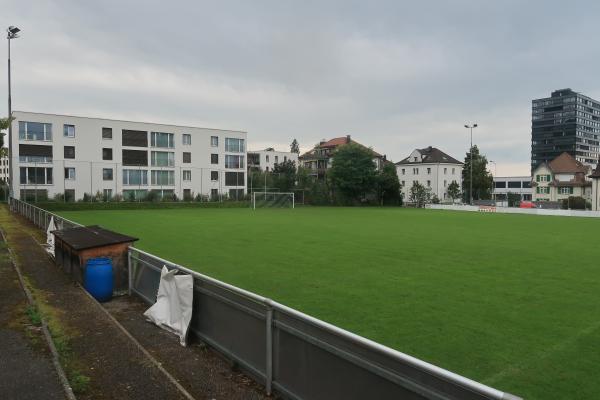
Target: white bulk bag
[[173, 308], [50, 236]]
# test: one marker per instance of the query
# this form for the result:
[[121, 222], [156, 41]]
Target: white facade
[[76, 155], [520, 185], [436, 175], [267, 159], [4, 167]]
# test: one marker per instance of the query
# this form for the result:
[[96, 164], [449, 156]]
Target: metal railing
[[294, 354], [299, 356], [39, 217]]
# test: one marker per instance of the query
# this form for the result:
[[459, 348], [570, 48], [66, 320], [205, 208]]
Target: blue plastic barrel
[[98, 278]]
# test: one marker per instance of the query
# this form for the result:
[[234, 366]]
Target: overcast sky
[[396, 75]]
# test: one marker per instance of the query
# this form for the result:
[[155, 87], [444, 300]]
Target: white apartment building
[[72, 156], [267, 159], [4, 166], [433, 169], [503, 185]]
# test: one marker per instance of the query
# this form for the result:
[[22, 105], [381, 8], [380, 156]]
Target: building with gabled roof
[[432, 168], [318, 160], [560, 178]]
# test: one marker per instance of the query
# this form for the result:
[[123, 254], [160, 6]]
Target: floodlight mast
[[12, 33], [471, 153]]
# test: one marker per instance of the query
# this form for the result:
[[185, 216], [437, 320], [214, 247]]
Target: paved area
[[198, 368], [26, 369]]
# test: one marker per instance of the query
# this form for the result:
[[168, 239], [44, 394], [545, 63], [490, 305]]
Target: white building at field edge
[[433, 169], [4, 166], [503, 185], [267, 159], [72, 156]]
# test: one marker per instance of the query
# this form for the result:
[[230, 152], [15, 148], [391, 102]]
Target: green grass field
[[512, 301]]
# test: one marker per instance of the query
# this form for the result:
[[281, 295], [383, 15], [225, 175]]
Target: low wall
[[514, 210]]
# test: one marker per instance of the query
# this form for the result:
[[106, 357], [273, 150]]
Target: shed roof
[[87, 237]]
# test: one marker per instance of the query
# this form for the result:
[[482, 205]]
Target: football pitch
[[512, 301]]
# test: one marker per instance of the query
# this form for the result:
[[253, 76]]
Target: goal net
[[272, 200]]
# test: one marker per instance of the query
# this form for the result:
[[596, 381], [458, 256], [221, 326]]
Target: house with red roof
[[560, 178], [318, 160]]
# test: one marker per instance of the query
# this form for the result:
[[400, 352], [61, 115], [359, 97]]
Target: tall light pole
[[12, 33], [471, 173]]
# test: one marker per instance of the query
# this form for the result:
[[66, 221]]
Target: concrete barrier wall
[[514, 210]]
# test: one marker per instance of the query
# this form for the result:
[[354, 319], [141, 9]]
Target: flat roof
[[128, 121], [87, 237]]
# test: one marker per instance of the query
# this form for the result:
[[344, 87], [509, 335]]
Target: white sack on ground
[[173, 308], [50, 236]]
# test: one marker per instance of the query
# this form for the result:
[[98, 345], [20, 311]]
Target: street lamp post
[[471, 173], [494, 183], [12, 33]]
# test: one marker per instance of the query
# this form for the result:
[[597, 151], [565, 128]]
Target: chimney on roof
[[322, 142], [347, 139], [384, 157], [429, 148]]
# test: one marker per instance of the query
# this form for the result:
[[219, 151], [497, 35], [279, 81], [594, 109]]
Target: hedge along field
[[512, 301]]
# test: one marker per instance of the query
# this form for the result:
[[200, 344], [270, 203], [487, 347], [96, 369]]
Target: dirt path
[[26, 370]]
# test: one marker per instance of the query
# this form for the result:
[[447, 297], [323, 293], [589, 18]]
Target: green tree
[[388, 186], [419, 194], [513, 199], [482, 179], [353, 173], [453, 190], [295, 147], [284, 175]]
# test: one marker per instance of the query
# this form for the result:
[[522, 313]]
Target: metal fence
[[291, 353], [299, 356], [39, 217]]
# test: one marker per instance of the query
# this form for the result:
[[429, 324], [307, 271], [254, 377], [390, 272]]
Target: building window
[[34, 153], [69, 131], [162, 139], [234, 161], [134, 138], [133, 195], [233, 145], [428, 171], [135, 158], [214, 194], [107, 154], [403, 183], [135, 177], [214, 141], [214, 176], [415, 159], [500, 185], [187, 157], [543, 178], [276, 159], [267, 157], [514, 184], [107, 133], [162, 177], [187, 194], [403, 171], [445, 171], [70, 173], [445, 183], [428, 183], [187, 175], [186, 139], [236, 194], [35, 131], [107, 194], [35, 176], [565, 190], [162, 159], [415, 171], [214, 158], [234, 179], [107, 174], [453, 171], [69, 151], [69, 195]]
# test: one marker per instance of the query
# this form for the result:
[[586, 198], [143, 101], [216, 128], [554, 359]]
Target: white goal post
[[273, 200]]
